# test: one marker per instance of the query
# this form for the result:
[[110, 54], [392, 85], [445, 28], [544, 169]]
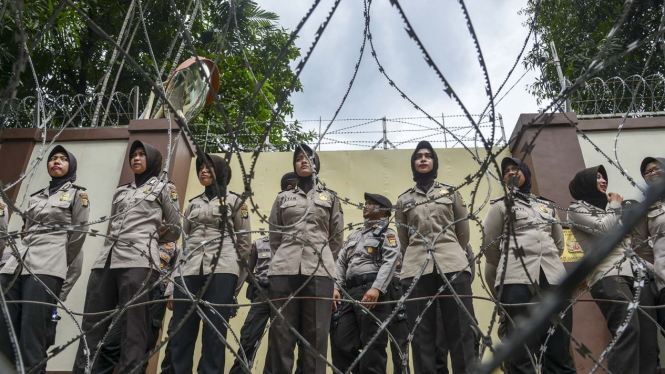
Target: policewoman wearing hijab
[[538, 231], [46, 254], [203, 222], [305, 222], [591, 217], [649, 233], [428, 208], [123, 268]]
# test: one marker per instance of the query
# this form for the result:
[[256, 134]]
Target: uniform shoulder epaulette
[[546, 199], [497, 199], [126, 184], [38, 192], [195, 197], [79, 187], [233, 193], [400, 195], [286, 189], [445, 185]]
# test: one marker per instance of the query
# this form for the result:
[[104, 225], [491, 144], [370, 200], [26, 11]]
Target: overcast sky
[[441, 27]]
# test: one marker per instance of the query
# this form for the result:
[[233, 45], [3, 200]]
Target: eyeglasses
[[653, 171]]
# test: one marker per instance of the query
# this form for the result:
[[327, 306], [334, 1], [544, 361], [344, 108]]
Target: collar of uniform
[[366, 229], [434, 186], [204, 197], [65, 186], [152, 181]]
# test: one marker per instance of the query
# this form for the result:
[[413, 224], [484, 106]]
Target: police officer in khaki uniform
[[130, 255], [428, 208], [305, 222], [650, 231], [365, 269], [257, 317], [537, 230], [46, 254], [591, 217], [200, 228]]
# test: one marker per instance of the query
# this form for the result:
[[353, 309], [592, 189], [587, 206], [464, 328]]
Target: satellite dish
[[188, 89]]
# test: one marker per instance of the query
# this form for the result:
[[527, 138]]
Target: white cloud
[[442, 29]]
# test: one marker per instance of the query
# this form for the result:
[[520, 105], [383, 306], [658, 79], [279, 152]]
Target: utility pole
[[562, 79], [320, 140], [503, 131], [385, 135], [136, 102], [443, 123]]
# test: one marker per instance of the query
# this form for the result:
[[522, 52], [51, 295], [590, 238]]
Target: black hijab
[[648, 160], [153, 162], [222, 173], [305, 183], [585, 186], [526, 187], [289, 178], [57, 182], [424, 181]]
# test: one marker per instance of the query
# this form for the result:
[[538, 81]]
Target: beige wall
[[99, 165], [350, 174], [633, 147]]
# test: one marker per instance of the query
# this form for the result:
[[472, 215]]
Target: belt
[[361, 280]]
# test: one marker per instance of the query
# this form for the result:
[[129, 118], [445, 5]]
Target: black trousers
[[109, 356], [399, 329], [354, 331], [166, 360], [220, 291], [624, 357], [311, 318], [30, 321], [441, 345], [108, 288], [459, 334], [252, 330], [649, 350], [557, 358]]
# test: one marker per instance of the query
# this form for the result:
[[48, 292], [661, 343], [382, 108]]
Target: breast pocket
[[444, 207], [371, 247], [349, 246]]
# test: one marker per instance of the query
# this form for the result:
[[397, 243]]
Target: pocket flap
[[120, 197], [62, 204], [288, 203], [443, 200], [326, 204], [371, 243], [655, 212], [521, 214]]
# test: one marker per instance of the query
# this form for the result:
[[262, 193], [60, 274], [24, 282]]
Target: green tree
[[579, 29], [71, 59]]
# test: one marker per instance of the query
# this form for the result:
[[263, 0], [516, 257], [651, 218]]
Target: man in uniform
[[258, 315], [365, 269]]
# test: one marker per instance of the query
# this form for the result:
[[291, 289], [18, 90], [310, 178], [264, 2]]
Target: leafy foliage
[[71, 59], [579, 29]]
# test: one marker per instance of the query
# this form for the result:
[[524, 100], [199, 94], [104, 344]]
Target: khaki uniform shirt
[[440, 208], [203, 218], [359, 256], [591, 229], [73, 274], [649, 240], [51, 252], [543, 244], [314, 223], [4, 217], [133, 233]]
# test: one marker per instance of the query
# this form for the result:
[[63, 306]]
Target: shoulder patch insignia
[[340, 207], [462, 199], [2, 209], [84, 199], [243, 211], [174, 193], [392, 240]]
